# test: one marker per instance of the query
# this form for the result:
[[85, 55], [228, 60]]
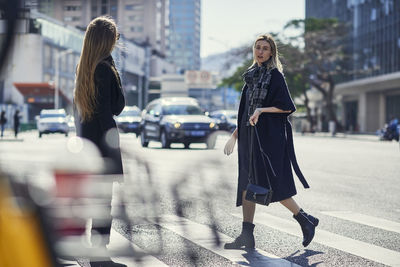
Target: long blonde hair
[[99, 41], [274, 60]]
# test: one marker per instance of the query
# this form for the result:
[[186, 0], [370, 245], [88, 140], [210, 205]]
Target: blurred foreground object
[[9, 15], [22, 239]]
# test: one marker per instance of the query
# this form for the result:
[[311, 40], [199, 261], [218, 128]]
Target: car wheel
[[143, 140], [165, 143], [186, 145]]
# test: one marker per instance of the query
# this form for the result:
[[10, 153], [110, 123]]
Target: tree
[[236, 80], [323, 58]]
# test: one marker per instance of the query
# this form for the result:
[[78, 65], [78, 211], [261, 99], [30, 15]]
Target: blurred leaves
[[236, 80]]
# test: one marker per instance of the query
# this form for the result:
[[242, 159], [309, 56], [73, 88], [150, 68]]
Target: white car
[[52, 121]]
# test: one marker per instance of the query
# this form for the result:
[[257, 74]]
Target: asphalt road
[[181, 201]]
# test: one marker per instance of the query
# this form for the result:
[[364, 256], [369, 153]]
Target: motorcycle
[[390, 131]]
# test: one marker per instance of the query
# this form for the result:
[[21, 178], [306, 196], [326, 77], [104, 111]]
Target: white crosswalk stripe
[[119, 243], [365, 219], [202, 235], [355, 247]]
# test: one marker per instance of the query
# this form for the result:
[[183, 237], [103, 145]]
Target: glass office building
[[370, 96], [184, 34], [374, 37]]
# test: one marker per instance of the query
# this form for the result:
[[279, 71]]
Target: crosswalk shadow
[[302, 258], [254, 258]]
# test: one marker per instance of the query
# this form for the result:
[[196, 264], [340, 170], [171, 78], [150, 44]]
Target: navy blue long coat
[[276, 139], [110, 101]]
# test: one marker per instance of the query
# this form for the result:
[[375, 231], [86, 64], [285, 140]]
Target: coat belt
[[292, 155]]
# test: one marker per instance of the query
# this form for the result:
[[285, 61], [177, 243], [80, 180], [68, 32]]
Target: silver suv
[[52, 121]]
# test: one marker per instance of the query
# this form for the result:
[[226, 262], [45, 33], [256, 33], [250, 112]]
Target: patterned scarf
[[257, 80]]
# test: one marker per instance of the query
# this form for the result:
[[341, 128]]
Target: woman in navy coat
[[98, 97], [266, 104]]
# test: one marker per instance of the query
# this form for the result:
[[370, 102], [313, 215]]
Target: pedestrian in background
[[98, 97], [3, 121], [17, 118], [266, 104]]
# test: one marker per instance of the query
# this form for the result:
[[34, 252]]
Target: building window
[[72, 8], [137, 29], [69, 19], [373, 14], [103, 10], [135, 18], [47, 56], [134, 7]]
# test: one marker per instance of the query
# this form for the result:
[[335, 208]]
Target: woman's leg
[[291, 205], [306, 221], [248, 209], [246, 237]]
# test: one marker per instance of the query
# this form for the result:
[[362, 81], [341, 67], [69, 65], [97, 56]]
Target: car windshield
[[52, 115], [182, 110], [130, 113]]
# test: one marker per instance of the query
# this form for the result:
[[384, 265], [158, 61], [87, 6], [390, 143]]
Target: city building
[[371, 95], [40, 70], [143, 21], [184, 34], [202, 85]]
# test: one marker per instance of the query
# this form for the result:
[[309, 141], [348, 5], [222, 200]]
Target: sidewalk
[[8, 136], [364, 137]]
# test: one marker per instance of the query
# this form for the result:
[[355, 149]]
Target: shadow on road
[[302, 259]]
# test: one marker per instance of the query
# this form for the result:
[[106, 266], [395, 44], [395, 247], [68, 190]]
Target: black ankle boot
[[245, 239], [307, 224]]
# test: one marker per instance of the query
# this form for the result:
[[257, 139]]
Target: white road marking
[[202, 235], [365, 219], [119, 243], [355, 247]]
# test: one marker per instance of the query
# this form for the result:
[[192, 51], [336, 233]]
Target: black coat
[[276, 140], [110, 101]]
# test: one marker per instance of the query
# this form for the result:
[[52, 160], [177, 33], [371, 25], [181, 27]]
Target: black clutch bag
[[254, 192], [258, 194]]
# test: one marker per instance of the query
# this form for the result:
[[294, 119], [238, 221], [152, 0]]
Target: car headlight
[[177, 125], [212, 125]]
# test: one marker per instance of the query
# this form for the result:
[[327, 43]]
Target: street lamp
[[57, 74]]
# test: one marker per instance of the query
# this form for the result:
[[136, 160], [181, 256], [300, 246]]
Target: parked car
[[129, 120], [226, 119], [52, 121], [176, 120]]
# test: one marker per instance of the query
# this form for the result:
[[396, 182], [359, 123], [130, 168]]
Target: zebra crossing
[[355, 247], [203, 236]]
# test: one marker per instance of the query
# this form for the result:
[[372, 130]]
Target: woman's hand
[[230, 145], [254, 118]]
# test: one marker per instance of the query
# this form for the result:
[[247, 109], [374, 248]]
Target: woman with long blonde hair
[[263, 117], [98, 96]]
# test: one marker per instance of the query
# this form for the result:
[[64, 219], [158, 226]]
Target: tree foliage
[[323, 59], [236, 80]]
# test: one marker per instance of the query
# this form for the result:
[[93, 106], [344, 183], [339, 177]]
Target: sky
[[227, 24]]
